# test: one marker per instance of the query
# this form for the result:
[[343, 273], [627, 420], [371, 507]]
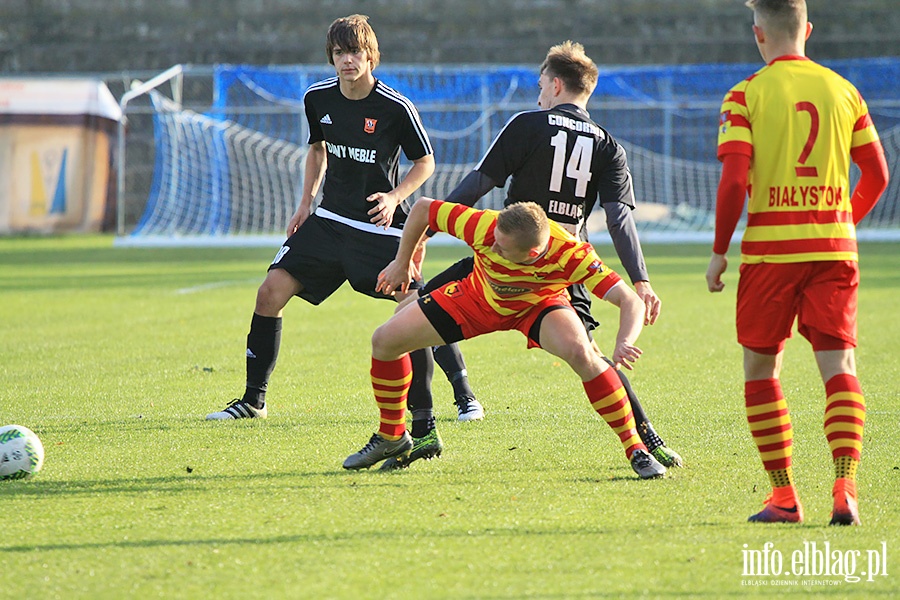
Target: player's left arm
[[623, 231], [631, 321], [616, 192], [606, 284], [868, 153], [873, 180], [382, 214]]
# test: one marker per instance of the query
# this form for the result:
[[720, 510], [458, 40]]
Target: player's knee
[[271, 297], [262, 298], [383, 344], [581, 357]]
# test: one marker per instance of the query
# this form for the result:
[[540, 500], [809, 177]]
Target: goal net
[[232, 174], [216, 180]]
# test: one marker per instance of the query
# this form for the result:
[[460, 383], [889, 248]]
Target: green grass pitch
[[114, 356]]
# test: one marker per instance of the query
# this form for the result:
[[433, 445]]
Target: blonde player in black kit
[[358, 127], [560, 159]]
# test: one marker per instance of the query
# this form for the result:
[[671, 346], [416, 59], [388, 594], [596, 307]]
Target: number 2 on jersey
[[805, 171], [578, 166]]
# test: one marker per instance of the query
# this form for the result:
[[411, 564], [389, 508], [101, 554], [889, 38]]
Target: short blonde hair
[[526, 222], [573, 67], [351, 34], [781, 16]]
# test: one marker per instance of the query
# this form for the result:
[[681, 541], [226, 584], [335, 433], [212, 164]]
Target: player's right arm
[[735, 149], [314, 172], [729, 206]]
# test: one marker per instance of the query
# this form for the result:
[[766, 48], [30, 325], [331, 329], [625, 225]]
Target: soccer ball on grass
[[21, 452]]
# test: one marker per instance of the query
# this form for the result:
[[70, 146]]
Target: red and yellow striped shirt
[[800, 123], [510, 288]]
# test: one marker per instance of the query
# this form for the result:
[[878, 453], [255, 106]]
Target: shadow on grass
[[190, 482], [152, 423], [356, 537]]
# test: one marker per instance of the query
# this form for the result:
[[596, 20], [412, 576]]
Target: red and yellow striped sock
[[845, 417], [770, 425], [608, 397], [390, 382]]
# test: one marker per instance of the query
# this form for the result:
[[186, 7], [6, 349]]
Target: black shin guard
[[451, 361], [419, 401], [419, 397], [263, 343]]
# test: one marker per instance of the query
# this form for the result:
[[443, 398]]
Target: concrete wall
[[118, 35]]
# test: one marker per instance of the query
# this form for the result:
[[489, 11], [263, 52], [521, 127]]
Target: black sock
[[263, 343], [648, 435], [450, 359]]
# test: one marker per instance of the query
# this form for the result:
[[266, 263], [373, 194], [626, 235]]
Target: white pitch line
[[212, 286]]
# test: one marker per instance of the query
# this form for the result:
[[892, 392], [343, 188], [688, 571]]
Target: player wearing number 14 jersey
[[561, 160], [787, 135]]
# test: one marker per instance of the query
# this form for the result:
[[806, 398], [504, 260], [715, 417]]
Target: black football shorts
[[323, 254]]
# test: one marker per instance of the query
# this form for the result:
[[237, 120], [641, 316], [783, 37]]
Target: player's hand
[[382, 214], [717, 265], [394, 278], [625, 354], [297, 220], [652, 303]]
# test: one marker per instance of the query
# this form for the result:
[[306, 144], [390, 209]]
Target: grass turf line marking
[[212, 286]]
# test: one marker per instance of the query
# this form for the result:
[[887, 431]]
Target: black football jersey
[[363, 139], [561, 160]]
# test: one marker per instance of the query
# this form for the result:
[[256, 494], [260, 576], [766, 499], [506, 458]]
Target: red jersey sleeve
[[730, 198], [873, 180]]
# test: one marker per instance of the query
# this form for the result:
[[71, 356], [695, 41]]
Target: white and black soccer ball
[[21, 452]]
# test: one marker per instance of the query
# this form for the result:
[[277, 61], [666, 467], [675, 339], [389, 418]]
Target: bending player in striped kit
[[524, 263]]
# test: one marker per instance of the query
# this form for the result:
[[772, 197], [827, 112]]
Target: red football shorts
[[822, 296], [475, 317]]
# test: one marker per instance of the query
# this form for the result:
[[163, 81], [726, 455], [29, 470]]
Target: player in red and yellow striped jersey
[[787, 135], [523, 264]]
